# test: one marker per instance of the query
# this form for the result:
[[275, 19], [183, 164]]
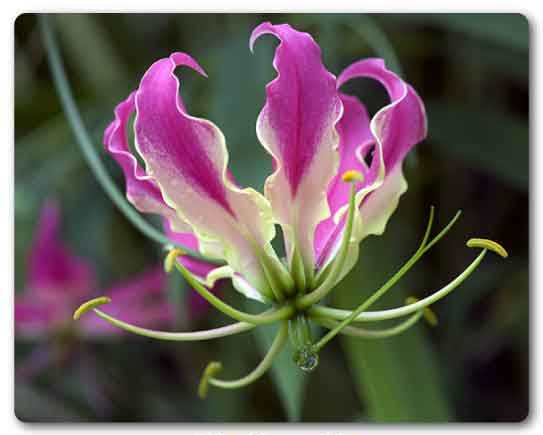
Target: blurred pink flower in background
[[59, 281]]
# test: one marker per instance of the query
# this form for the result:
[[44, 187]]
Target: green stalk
[[209, 334], [372, 333], [360, 316], [265, 364], [258, 319]]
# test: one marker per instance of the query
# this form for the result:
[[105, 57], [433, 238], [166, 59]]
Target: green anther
[[89, 305], [210, 371], [488, 244]]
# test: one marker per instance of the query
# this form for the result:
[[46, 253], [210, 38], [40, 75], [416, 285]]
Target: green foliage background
[[472, 71]]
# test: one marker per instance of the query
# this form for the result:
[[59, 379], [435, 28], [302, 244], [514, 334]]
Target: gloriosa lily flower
[[337, 178]]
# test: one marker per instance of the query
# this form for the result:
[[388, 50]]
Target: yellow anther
[[352, 176], [89, 305], [170, 259], [428, 314], [488, 244], [210, 371]]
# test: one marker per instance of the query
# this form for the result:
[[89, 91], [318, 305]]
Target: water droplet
[[306, 359]]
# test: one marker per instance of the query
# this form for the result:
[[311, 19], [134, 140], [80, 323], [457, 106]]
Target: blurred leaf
[[90, 51], [398, 377], [509, 30], [288, 379], [376, 38], [31, 404], [491, 141]]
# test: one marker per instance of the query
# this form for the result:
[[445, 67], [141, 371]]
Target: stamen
[[488, 244], [352, 176], [169, 261], [212, 368], [371, 333], [337, 267], [373, 316], [89, 305], [209, 334], [395, 278], [258, 319]]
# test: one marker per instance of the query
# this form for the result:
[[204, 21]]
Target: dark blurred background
[[472, 71]]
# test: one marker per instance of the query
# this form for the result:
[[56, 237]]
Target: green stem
[[265, 364], [370, 333], [375, 316], [223, 331], [85, 143], [258, 319]]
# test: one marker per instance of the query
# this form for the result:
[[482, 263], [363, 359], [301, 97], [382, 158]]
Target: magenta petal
[[52, 269], [187, 158], [301, 102], [394, 130], [297, 127], [355, 136], [404, 124], [164, 129], [141, 190], [32, 318]]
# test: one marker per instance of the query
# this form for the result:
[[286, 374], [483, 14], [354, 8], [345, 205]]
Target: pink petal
[[53, 271], [297, 127], [187, 158], [355, 135], [395, 129], [141, 190]]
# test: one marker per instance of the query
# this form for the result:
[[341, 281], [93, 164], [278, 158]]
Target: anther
[[352, 176], [89, 305], [169, 261], [210, 371], [428, 314], [488, 244]]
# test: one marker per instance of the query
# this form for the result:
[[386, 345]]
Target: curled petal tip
[[171, 257], [488, 244], [210, 371], [259, 30], [184, 59], [89, 305], [352, 176]]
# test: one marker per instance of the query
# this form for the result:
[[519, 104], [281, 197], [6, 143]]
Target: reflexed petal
[[355, 137], [396, 128], [297, 127], [52, 268], [141, 190], [187, 157]]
